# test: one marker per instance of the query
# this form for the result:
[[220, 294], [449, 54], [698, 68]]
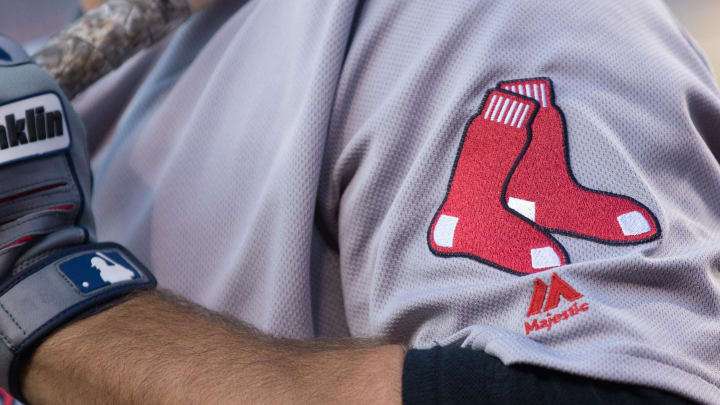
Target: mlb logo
[[91, 271]]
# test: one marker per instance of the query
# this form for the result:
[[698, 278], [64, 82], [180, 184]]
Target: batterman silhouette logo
[[91, 271], [110, 271], [512, 187]]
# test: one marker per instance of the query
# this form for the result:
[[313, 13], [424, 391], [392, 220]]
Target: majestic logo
[[545, 302], [512, 186], [91, 271], [32, 126]]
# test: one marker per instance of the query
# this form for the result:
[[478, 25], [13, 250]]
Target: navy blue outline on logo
[[503, 203], [69, 270], [568, 167]]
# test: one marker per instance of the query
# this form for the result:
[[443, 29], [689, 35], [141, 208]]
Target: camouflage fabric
[[107, 36]]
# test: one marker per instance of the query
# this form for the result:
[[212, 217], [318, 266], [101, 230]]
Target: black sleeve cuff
[[453, 375]]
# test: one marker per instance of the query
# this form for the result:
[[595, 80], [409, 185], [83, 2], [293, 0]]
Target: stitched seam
[[46, 205], [27, 263], [28, 187], [67, 280], [13, 319], [37, 232], [146, 280], [35, 207], [141, 282], [42, 215], [6, 340], [50, 259]]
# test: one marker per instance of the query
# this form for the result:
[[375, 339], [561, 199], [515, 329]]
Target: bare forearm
[[151, 349]]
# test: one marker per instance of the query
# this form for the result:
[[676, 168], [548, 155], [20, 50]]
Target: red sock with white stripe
[[473, 220], [543, 189]]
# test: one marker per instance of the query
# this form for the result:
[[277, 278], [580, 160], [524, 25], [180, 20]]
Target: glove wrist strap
[[56, 290]]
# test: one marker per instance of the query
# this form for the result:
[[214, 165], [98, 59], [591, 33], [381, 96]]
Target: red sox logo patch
[[512, 186]]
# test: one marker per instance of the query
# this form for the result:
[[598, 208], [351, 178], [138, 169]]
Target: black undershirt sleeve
[[454, 375]]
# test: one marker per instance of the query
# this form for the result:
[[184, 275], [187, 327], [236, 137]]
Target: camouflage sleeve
[[106, 37]]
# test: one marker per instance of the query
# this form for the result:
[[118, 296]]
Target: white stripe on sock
[[542, 91], [513, 89], [535, 90], [489, 107], [522, 117], [502, 111], [510, 111], [527, 90], [520, 90], [495, 110], [517, 113]]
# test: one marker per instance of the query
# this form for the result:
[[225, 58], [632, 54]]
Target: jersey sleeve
[[535, 180], [455, 375]]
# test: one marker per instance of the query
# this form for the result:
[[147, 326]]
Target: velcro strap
[[54, 291]]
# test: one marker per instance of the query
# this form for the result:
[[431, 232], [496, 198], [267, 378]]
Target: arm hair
[[158, 348]]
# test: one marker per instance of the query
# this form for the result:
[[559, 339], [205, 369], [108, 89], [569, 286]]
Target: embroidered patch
[[91, 271], [551, 300], [32, 127], [474, 220], [512, 186], [562, 205]]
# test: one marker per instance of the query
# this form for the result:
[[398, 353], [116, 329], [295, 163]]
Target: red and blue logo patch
[[91, 271], [512, 187]]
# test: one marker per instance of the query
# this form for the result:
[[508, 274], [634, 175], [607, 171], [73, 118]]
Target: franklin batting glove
[[52, 269]]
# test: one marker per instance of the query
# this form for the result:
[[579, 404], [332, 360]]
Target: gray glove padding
[[50, 268], [45, 182]]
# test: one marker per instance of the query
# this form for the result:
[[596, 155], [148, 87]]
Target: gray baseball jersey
[[534, 179]]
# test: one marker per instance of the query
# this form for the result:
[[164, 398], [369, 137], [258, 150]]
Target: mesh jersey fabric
[[265, 165]]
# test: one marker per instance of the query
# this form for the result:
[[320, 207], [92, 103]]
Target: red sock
[[543, 189], [473, 220]]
